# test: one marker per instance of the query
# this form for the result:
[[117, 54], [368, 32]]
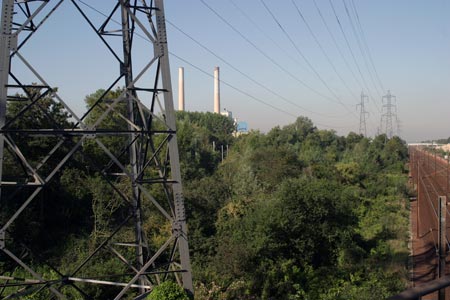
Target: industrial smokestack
[[181, 89], [216, 91]]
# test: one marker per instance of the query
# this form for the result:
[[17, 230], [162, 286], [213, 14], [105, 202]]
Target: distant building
[[242, 127], [227, 113]]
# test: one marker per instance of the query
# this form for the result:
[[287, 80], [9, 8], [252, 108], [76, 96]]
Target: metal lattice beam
[[148, 160]]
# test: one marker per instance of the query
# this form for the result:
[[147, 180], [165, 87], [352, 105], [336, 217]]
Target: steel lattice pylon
[[389, 115], [148, 163], [363, 114]]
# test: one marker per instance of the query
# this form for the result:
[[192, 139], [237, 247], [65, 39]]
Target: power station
[[241, 127]]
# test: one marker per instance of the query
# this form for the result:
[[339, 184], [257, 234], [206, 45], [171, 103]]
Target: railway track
[[429, 173]]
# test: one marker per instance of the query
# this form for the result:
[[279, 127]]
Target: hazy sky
[[408, 41]]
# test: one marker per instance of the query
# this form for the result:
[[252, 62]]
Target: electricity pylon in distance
[[389, 115], [362, 114]]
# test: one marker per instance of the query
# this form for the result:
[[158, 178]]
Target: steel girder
[[148, 162]]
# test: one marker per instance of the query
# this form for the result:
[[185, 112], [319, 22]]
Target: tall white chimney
[[181, 89], [216, 91]]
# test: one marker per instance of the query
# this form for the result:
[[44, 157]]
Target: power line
[[264, 53], [198, 68], [353, 55], [232, 86], [361, 48], [321, 48], [244, 74], [209, 75], [263, 32], [366, 45], [246, 93], [348, 45], [336, 44], [276, 44], [304, 57]]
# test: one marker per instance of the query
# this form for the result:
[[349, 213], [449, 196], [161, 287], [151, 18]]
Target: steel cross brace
[[141, 126]]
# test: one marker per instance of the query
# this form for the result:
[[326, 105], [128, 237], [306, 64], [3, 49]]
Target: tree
[[97, 104], [38, 226], [297, 213], [293, 133], [168, 291]]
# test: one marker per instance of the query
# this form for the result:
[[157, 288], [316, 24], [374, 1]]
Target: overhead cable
[[222, 81], [360, 46], [366, 45], [245, 74], [322, 49], [265, 54], [353, 55], [305, 59], [246, 93], [336, 44]]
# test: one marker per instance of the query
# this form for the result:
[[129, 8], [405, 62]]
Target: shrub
[[168, 290]]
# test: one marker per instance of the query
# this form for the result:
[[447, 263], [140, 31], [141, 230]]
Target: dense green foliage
[[168, 291], [301, 213], [296, 213]]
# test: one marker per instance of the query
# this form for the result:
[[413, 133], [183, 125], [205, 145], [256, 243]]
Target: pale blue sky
[[409, 41]]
